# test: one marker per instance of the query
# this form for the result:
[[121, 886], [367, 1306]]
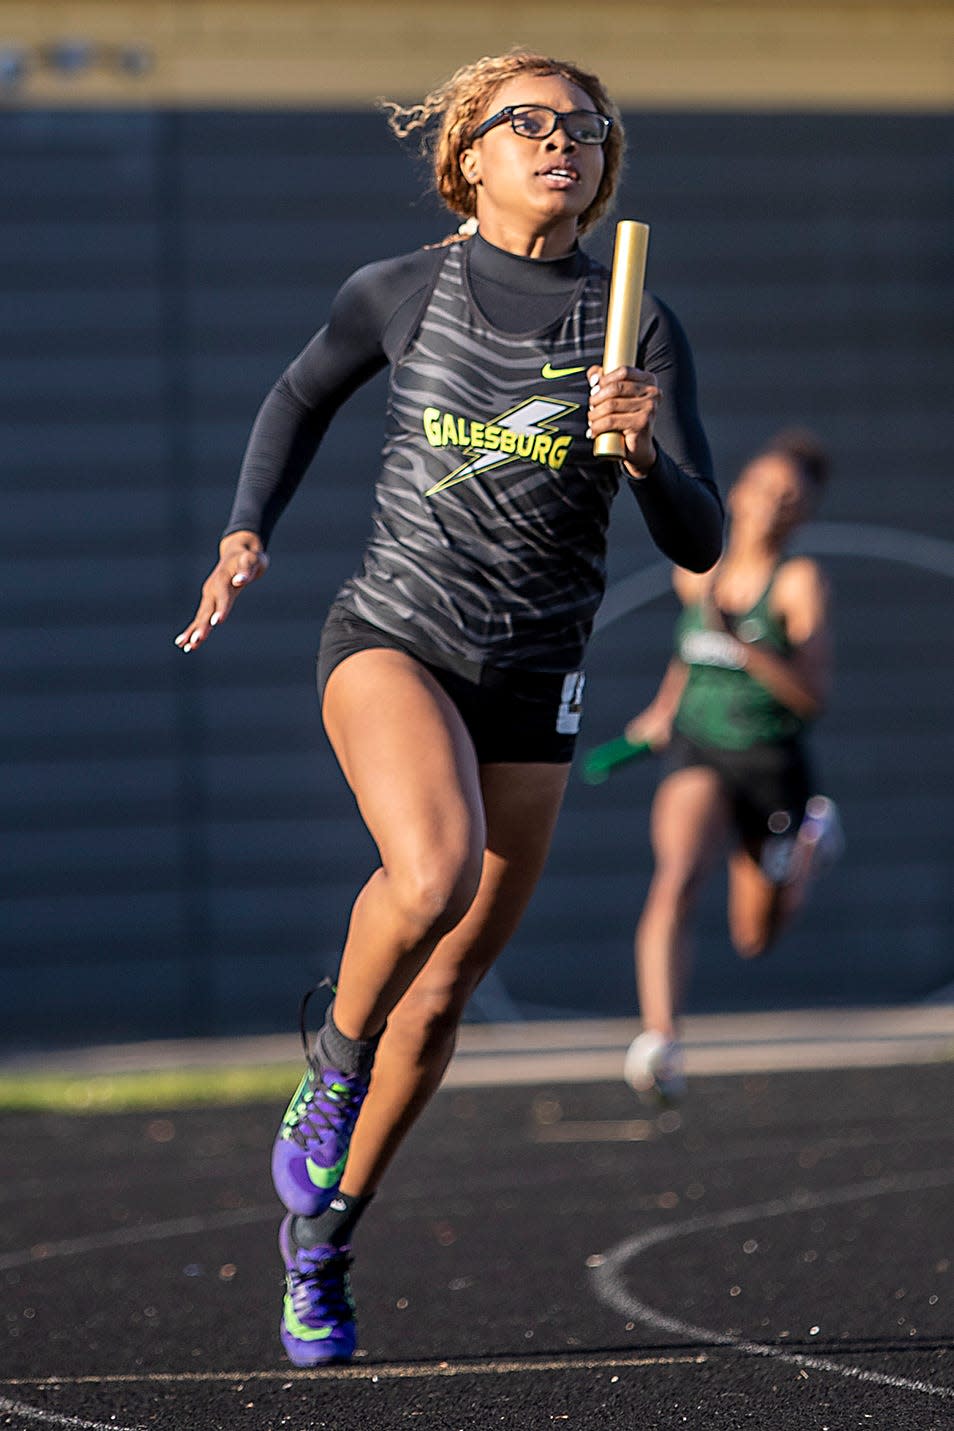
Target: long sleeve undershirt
[[373, 317]]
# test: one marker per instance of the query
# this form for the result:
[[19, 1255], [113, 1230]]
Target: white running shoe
[[820, 832], [654, 1066], [776, 858], [788, 858]]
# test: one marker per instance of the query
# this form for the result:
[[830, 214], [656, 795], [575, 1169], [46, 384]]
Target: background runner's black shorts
[[769, 782], [516, 716]]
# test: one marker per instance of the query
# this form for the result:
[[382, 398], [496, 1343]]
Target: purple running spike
[[318, 1312], [311, 1147]]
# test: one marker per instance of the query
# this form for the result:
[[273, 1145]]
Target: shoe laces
[[327, 1107], [324, 1107], [321, 1288]]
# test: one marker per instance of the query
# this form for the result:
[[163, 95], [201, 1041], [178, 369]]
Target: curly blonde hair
[[448, 116]]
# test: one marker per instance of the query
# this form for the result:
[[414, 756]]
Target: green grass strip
[[150, 1089]]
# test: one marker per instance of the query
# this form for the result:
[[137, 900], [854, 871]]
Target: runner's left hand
[[625, 401]]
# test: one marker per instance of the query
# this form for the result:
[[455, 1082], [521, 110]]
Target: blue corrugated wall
[[181, 849]]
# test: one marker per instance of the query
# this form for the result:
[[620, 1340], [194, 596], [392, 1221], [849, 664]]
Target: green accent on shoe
[[325, 1177], [297, 1327], [293, 1111]]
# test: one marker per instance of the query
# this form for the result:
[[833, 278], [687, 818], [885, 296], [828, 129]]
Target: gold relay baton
[[622, 321]]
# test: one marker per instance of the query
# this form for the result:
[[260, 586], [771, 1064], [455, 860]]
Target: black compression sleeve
[[678, 497], [292, 420]]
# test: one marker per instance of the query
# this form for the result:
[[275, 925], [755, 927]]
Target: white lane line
[[609, 1275], [638, 589], [55, 1418], [931, 554], [130, 1236], [383, 1371]]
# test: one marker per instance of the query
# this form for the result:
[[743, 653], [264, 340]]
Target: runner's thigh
[[407, 756]]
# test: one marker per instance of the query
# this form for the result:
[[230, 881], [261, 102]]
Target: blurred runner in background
[[751, 671]]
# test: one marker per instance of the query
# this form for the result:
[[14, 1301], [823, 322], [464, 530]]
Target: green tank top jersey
[[727, 708]]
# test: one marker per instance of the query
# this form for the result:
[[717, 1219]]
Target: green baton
[[600, 762]]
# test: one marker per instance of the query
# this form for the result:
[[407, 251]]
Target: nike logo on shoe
[[325, 1177], [298, 1328], [547, 372]]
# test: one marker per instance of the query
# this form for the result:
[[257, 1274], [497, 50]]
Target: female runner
[[752, 669], [450, 664]]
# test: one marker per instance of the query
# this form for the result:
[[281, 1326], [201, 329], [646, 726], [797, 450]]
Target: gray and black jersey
[[489, 528]]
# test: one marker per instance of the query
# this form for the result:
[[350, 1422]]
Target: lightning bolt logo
[[534, 418]]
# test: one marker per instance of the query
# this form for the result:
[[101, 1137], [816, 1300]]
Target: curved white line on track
[[611, 1288], [129, 1236], [632, 592], [931, 554], [56, 1418]]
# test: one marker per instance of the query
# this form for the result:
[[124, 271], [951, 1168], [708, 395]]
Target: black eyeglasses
[[538, 121]]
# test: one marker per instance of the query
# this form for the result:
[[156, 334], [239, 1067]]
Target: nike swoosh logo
[[547, 372], [297, 1327], [325, 1177]]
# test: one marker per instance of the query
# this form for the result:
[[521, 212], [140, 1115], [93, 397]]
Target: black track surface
[[142, 1285]]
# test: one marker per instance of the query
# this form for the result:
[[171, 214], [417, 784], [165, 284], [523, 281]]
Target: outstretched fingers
[[235, 570]]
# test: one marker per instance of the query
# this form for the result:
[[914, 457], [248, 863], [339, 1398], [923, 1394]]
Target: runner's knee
[[750, 939], [676, 886], [433, 894]]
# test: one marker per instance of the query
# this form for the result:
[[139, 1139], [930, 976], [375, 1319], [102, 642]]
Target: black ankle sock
[[334, 1226], [351, 1056]]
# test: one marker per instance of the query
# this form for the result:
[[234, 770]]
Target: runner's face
[[537, 182], [770, 497]]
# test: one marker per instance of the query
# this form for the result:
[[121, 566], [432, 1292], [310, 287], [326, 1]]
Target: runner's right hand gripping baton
[[622, 321], [600, 762]]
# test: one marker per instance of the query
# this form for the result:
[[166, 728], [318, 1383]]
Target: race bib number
[[712, 648], [571, 704]]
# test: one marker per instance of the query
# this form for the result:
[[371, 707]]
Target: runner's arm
[[678, 496], [654, 724], [352, 346]]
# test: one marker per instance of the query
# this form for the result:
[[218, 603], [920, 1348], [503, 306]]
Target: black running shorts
[[767, 785], [512, 716]]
